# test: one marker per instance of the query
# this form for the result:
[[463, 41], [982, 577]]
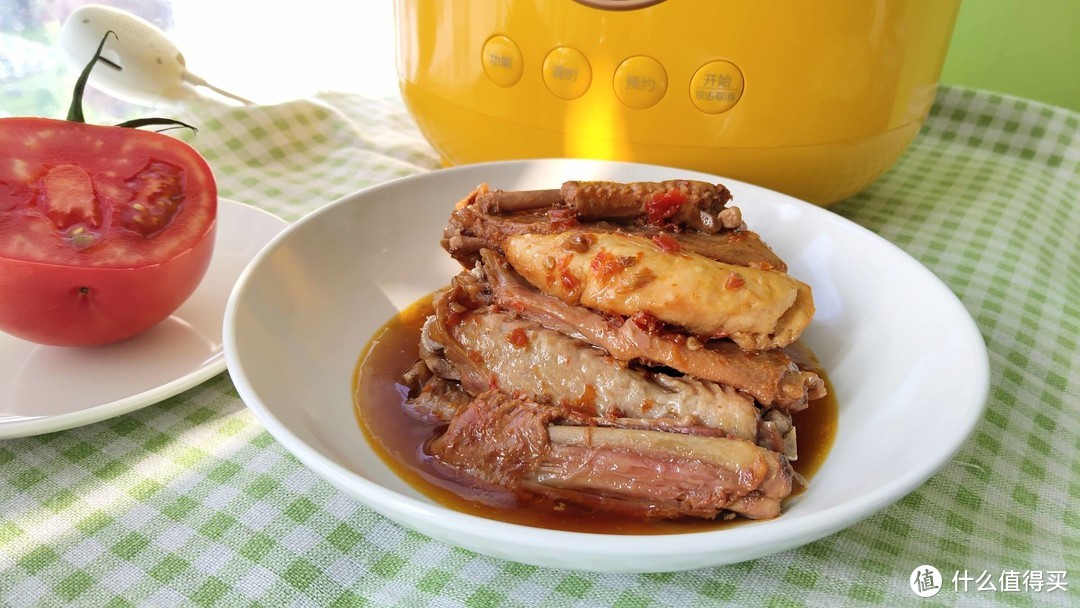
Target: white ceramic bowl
[[907, 363]]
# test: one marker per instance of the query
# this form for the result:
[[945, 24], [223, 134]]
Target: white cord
[[200, 82]]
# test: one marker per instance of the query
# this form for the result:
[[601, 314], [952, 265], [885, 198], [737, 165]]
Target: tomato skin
[[130, 277], [73, 306]]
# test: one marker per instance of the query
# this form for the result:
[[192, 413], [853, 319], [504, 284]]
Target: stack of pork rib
[[617, 347]]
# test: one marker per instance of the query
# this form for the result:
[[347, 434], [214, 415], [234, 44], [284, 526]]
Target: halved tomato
[[104, 230]]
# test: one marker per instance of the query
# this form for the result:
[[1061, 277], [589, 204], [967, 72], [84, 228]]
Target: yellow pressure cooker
[[815, 99]]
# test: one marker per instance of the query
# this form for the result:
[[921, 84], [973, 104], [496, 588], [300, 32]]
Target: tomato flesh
[[104, 231]]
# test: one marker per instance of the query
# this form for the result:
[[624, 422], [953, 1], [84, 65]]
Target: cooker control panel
[[639, 82]]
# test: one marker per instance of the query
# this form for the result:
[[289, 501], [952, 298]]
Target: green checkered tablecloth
[[191, 502]]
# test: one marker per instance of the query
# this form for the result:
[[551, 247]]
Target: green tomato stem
[[143, 122], [75, 112]]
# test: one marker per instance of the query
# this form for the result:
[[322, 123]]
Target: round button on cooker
[[716, 86], [502, 61], [640, 82], [567, 73]]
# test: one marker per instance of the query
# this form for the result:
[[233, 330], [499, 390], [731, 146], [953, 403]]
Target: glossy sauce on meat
[[398, 439]]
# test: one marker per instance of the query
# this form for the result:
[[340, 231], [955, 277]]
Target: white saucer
[[47, 388]]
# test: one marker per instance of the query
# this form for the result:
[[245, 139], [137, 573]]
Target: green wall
[[1029, 48]]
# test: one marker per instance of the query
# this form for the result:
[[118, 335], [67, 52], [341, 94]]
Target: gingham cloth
[[191, 502]]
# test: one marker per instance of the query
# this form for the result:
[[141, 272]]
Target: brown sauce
[[398, 440]]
